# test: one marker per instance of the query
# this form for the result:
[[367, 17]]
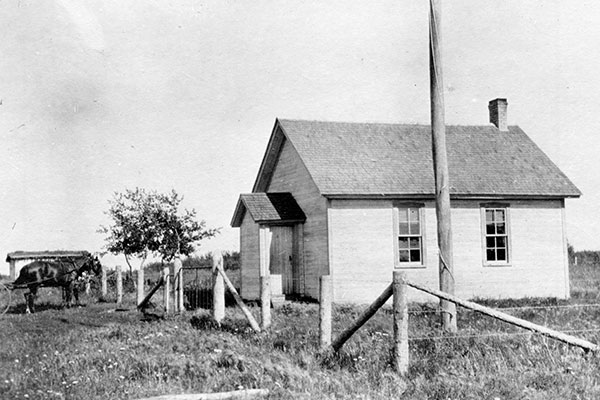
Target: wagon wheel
[[5, 297]]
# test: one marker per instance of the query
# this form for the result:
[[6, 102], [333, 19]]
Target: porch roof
[[268, 209]]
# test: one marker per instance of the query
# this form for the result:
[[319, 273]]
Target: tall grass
[[95, 352]]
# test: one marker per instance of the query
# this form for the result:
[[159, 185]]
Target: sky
[[100, 96]]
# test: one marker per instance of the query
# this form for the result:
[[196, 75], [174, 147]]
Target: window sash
[[409, 236], [496, 237]]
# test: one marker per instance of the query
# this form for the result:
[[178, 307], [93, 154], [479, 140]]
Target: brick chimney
[[497, 109]]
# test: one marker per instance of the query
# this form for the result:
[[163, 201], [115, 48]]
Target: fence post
[[179, 285], [104, 282], [12, 270], [400, 323], [119, 285], [265, 300], [325, 311], [166, 290], [218, 305], [140, 285]]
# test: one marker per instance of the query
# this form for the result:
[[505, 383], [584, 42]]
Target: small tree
[[148, 223]]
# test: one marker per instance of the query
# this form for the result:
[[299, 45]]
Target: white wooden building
[[356, 201]]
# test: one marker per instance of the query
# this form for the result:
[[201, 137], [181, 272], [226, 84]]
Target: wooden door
[[282, 257]]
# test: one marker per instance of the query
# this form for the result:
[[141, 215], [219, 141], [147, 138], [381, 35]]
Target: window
[[410, 236], [496, 235]]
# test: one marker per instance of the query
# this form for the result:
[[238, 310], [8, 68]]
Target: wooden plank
[[237, 394], [584, 344], [363, 318], [239, 300]]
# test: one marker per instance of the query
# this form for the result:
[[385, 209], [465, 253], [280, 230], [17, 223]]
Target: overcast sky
[[99, 96]]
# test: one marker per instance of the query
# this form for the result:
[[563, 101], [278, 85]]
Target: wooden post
[[104, 282], [140, 285], [166, 289], [239, 300], [179, 285], [440, 166], [509, 318], [119, 285], [265, 301], [363, 318], [325, 300], [400, 323], [12, 270], [218, 306]]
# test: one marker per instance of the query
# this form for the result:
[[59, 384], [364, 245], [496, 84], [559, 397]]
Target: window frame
[[396, 230], [484, 235]]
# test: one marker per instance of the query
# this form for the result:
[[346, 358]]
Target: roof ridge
[[489, 125]]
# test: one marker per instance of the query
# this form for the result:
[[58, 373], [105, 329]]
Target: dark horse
[[60, 273]]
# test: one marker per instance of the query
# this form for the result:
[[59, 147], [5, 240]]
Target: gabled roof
[[268, 209], [373, 159]]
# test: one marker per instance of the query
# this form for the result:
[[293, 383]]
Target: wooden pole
[[509, 318], [363, 318], [265, 301], [400, 323], [440, 165], [325, 302], [119, 284], [239, 300], [166, 290], [218, 306], [140, 285], [104, 282], [179, 285]]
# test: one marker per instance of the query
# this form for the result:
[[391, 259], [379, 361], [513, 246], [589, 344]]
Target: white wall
[[362, 251]]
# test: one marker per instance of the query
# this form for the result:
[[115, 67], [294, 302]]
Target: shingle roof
[[394, 159], [268, 208]]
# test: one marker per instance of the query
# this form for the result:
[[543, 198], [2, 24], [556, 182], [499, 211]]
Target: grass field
[[97, 352]]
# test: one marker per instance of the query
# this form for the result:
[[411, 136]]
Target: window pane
[[501, 228], [403, 214], [501, 241], [414, 228], [491, 255], [404, 256], [402, 243], [415, 243], [403, 228], [489, 229], [499, 217], [414, 214], [489, 216], [415, 255], [490, 241], [501, 254]]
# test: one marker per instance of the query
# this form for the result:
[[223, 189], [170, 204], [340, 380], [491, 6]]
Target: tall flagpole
[[440, 165]]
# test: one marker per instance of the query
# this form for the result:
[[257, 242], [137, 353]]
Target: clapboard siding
[[536, 266], [290, 175], [249, 249], [362, 251]]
